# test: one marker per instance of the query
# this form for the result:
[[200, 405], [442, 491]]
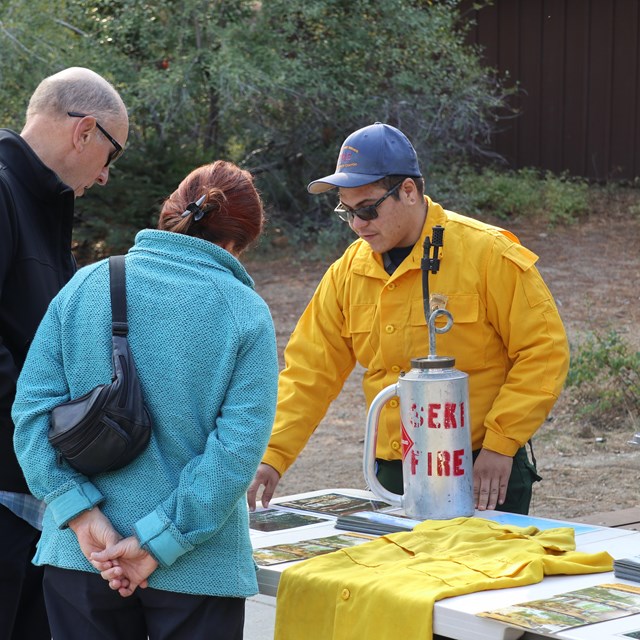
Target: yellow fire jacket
[[507, 335], [386, 588]]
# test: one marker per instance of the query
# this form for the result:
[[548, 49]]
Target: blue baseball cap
[[370, 154]]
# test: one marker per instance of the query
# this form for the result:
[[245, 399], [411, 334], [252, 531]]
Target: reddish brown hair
[[233, 210]]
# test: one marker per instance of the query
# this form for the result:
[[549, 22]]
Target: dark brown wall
[[578, 65]]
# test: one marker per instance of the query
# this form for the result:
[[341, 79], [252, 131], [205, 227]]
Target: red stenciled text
[[414, 463], [447, 416], [445, 463]]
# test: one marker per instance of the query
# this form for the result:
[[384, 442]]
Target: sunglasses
[[370, 212], [118, 150]]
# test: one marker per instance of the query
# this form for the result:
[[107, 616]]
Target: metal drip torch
[[437, 461]]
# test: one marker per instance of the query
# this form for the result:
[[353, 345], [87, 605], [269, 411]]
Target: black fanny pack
[[108, 427]]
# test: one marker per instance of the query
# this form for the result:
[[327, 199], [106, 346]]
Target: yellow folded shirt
[[386, 588]]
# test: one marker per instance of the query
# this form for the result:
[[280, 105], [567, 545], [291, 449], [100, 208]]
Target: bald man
[[76, 127]]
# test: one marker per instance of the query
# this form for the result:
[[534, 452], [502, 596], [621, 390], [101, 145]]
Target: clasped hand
[[121, 561]]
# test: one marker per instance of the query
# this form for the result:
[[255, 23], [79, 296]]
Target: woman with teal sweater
[[174, 521]]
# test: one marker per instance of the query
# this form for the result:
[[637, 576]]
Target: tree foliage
[[274, 86], [310, 73]]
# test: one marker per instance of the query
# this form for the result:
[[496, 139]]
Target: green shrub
[[566, 198], [508, 194], [604, 377]]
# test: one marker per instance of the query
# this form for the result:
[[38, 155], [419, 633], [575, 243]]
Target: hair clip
[[194, 207]]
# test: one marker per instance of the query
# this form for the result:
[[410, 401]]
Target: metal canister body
[[437, 460]]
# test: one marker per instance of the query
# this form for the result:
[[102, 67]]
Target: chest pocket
[[362, 330], [466, 340]]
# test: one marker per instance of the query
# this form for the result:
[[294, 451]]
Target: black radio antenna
[[430, 263]]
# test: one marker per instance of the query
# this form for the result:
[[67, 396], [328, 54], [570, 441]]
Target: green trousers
[[519, 490]]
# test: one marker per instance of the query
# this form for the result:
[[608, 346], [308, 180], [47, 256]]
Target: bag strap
[[119, 324]]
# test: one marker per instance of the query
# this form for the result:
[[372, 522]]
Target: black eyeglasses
[[370, 212], [114, 155]]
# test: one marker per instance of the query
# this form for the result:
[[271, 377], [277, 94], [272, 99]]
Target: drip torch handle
[[370, 442]]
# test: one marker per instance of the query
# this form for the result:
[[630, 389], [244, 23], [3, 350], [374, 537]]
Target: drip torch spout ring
[[433, 329]]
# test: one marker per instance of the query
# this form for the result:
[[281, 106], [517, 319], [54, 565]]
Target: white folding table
[[456, 617]]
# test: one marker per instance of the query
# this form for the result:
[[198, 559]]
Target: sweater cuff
[[72, 503], [161, 539]]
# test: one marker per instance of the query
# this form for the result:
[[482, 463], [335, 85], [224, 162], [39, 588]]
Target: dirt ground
[[592, 268]]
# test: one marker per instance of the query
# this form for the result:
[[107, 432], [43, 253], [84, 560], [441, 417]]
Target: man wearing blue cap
[[507, 333]]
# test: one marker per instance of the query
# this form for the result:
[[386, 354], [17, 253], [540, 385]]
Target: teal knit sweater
[[204, 347]]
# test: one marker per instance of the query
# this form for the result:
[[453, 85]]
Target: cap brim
[[342, 180]]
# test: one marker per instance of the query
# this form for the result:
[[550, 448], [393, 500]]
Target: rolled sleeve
[[161, 539], [73, 502]]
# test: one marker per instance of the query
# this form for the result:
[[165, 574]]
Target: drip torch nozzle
[[434, 251], [430, 263]]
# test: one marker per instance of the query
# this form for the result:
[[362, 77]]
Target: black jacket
[[36, 218]]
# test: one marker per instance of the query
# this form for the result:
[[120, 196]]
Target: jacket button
[[346, 594], [391, 286], [395, 368], [389, 328], [393, 403], [395, 445]]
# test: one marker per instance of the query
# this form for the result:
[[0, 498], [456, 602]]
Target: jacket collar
[[368, 263], [182, 247], [19, 159]]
